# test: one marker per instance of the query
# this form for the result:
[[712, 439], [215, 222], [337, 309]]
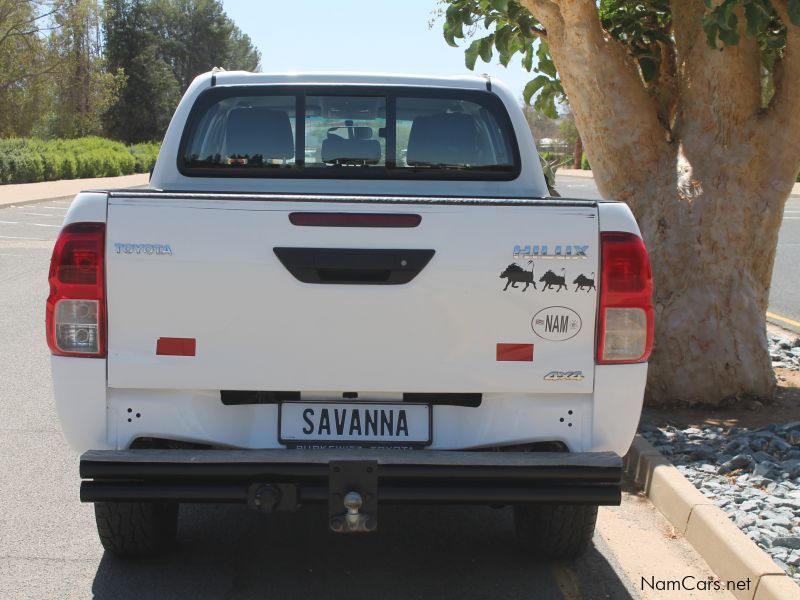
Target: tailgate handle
[[353, 266]]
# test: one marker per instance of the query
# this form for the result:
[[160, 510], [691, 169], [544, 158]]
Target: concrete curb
[[726, 549]]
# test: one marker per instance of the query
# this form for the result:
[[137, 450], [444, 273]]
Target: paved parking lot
[[49, 547]]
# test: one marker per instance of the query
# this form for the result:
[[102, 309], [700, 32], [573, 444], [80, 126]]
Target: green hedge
[[24, 160]]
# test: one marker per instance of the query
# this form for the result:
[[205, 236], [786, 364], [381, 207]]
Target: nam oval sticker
[[556, 323]]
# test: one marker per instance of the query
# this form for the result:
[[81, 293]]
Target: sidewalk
[[581, 173], [25, 193], [574, 173]]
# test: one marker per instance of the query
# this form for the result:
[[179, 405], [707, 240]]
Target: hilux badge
[[544, 251]]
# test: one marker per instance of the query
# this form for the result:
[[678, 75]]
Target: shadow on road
[[464, 553]]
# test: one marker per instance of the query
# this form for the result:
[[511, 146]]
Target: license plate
[[355, 424]]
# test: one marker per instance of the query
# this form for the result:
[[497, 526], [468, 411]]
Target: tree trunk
[[712, 257], [708, 191], [578, 162]]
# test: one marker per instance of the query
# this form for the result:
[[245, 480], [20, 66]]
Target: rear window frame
[[212, 95]]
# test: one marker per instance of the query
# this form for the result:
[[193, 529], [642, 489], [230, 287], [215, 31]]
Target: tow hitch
[[353, 488]]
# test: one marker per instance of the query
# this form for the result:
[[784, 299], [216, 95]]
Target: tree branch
[[783, 106], [616, 115], [720, 88], [547, 9]]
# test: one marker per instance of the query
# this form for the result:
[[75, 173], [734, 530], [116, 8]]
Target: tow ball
[[353, 489]]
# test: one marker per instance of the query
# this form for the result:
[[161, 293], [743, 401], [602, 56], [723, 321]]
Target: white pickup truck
[[351, 290]]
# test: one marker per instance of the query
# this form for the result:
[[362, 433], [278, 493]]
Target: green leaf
[[485, 48], [527, 59], [471, 54], [533, 86], [712, 29], [499, 5], [545, 63], [449, 36], [794, 12], [546, 102], [753, 17], [649, 68], [729, 36]]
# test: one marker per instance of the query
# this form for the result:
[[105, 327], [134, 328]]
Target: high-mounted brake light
[[625, 320], [76, 307], [323, 219]]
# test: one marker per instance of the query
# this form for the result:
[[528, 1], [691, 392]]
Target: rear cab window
[[354, 132]]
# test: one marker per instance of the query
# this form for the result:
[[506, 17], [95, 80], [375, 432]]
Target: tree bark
[[578, 162], [707, 186]]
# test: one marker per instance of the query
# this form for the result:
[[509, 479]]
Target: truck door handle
[[353, 266]]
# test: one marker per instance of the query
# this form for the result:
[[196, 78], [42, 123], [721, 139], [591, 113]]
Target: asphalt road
[[784, 297], [49, 547]]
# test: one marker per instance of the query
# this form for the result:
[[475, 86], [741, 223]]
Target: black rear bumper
[[402, 476]]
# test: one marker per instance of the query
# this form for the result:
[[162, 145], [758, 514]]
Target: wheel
[[136, 528], [557, 531]]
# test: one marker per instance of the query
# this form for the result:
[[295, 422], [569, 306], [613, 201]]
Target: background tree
[[161, 45], [689, 113], [145, 105], [25, 64], [570, 134], [83, 88]]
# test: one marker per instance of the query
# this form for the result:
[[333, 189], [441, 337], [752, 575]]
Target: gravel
[[784, 352], [751, 474]]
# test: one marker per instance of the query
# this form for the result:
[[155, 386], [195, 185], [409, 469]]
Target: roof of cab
[[247, 78]]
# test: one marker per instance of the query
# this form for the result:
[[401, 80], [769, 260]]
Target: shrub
[[145, 156], [24, 160], [585, 163]]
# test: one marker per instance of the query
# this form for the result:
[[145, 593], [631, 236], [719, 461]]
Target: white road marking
[[42, 225], [10, 222], [5, 254], [15, 237], [38, 214]]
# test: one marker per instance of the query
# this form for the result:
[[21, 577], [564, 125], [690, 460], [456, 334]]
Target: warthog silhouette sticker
[[550, 280], [515, 274], [584, 282]]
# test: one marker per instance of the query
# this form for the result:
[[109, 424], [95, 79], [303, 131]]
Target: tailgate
[[249, 301]]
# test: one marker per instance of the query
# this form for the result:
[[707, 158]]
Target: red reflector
[[322, 219], [515, 352], [176, 346]]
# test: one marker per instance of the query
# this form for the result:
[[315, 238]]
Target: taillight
[[625, 320], [76, 307]]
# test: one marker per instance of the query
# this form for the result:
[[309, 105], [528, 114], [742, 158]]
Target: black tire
[[561, 531], [136, 528]]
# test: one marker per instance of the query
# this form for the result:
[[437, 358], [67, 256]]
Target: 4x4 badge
[[564, 376]]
